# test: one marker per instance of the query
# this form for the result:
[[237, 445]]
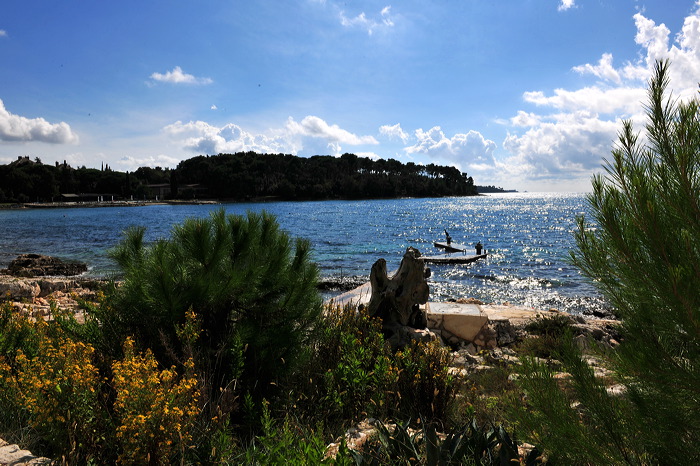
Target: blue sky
[[523, 94]]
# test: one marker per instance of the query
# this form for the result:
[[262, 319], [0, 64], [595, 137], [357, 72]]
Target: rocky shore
[[481, 336]]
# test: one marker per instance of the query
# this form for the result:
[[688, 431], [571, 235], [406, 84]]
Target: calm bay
[[528, 237]]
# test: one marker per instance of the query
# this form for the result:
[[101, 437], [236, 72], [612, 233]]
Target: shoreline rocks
[[38, 265]]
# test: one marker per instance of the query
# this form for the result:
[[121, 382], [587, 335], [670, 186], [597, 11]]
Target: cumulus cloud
[[603, 70], [312, 135], [315, 127], [394, 132], [626, 100], [566, 4], [467, 150], [567, 144], [3, 33], [383, 21], [572, 131], [15, 128], [177, 76]]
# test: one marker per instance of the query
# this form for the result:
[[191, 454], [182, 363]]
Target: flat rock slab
[[15, 456], [360, 295], [457, 321]]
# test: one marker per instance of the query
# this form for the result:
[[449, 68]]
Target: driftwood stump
[[397, 300]]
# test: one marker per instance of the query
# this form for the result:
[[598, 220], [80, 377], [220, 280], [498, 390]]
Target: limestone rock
[[460, 322], [37, 265], [19, 289], [14, 455]]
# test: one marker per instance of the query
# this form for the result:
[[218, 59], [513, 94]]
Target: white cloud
[[470, 150], [214, 107], [595, 99], [383, 21], [603, 70], [177, 76], [315, 127], [566, 4], [311, 135], [3, 33], [574, 129], [394, 132], [568, 144], [525, 119], [15, 128]]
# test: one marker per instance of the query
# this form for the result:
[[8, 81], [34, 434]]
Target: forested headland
[[237, 177]]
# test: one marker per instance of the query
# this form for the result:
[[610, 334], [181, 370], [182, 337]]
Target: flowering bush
[[59, 388], [157, 411]]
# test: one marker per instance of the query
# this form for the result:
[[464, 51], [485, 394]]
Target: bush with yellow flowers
[[156, 408], [59, 388]]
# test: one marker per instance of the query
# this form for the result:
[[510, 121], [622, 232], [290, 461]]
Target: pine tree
[[643, 252], [251, 287]]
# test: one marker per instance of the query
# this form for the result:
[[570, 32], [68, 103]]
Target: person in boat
[[448, 237], [479, 247]]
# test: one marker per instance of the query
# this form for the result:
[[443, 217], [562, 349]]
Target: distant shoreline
[[68, 205]]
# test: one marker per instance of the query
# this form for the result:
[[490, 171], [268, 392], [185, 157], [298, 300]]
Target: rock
[[18, 289], [469, 301], [37, 265], [14, 455], [461, 322], [506, 333]]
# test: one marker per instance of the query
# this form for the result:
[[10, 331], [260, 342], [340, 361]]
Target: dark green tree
[[252, 288], [644, 255]]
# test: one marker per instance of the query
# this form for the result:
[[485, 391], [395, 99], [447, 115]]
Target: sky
[[520, 94]]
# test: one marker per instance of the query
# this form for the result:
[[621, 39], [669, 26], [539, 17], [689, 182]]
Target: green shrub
[[354, 374], [350, 374], [251, 287], [425, 388], [547, 333], [467, 444]]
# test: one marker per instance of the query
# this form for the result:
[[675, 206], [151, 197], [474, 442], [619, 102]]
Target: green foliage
[[644, 255], [285, 443], [251, 287], [425, 387], [469, 444], [246, 175], [354, 373], [239, 176], [350, 373], [550, 331]]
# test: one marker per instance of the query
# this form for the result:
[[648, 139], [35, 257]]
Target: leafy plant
[[470, 443]]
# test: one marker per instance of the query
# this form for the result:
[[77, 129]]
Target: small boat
[[451, 247]]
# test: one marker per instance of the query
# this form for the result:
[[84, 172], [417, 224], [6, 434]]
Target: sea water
[[528, 237]]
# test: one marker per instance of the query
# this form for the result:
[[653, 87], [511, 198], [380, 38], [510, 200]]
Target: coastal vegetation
[[644, 257], [216, 348], [235, 177]]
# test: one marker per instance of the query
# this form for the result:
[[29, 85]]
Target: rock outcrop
[[38, 265], [11, 454]]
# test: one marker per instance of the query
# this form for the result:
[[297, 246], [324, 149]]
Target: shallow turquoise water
[[528, 236]]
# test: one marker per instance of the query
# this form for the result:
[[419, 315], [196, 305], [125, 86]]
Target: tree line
[[239, 176]]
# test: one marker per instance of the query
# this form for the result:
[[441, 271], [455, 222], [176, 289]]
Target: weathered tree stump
[[397, 300]]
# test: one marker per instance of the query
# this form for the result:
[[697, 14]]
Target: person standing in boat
[[448, 237], [479, 247]]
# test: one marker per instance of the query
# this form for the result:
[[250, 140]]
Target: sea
[[528, 238]]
